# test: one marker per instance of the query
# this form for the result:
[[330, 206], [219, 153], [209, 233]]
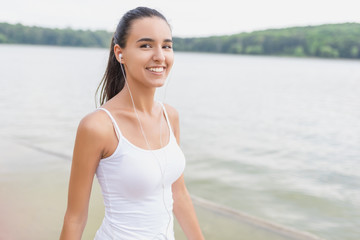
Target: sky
[[188, 18]]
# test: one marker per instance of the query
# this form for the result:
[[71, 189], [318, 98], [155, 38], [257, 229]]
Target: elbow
[[73, 227]]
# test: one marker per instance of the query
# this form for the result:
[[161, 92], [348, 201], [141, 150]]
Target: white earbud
[[120, 56]]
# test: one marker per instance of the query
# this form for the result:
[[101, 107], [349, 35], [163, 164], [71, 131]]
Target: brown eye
[[145, 46]]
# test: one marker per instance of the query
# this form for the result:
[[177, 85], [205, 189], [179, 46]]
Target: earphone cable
[[162, 170]]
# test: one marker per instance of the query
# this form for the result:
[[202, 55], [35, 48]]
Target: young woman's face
[[148, 55]]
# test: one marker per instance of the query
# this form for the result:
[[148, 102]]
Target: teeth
[[158, 69]]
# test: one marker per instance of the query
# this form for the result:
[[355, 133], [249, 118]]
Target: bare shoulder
[[174, 120], [172, 113], [96, 124]]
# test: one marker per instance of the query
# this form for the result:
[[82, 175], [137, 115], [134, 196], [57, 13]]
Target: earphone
[[162, 169]]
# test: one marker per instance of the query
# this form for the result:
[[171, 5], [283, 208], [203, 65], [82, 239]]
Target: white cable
[[156, 157]]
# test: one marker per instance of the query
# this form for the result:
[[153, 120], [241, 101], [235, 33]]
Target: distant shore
[[326, 41]]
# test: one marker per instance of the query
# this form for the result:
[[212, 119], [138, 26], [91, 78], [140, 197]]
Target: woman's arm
[[184, 211], [183, 208], [88, 150]]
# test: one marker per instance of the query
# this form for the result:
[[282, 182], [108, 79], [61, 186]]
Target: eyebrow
[[152, 40]]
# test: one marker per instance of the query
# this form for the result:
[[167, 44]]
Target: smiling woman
[[138, 163], [148, 53]]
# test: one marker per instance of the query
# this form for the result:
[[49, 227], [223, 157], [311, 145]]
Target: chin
[[159, 82], [159, 85]]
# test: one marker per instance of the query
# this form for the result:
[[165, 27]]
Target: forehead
[[150, 27]]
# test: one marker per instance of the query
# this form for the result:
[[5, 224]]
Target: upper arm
[[88, 150]]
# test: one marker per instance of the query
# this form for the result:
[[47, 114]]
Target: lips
[[156, 69]]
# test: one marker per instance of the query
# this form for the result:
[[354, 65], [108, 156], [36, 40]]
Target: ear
[[117, 52]]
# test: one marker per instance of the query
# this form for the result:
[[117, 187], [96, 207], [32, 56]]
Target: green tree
[[328, 40]]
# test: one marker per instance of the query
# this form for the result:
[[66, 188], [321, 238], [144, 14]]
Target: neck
[[143, 97]]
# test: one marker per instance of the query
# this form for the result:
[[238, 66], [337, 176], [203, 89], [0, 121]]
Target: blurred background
[[268, 95]]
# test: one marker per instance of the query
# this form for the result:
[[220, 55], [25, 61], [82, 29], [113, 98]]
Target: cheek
[[170, 60], [135, 63]]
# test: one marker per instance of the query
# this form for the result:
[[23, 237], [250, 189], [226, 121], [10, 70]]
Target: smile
[[156, 69]]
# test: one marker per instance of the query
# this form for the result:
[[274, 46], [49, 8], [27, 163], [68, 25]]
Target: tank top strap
[[116, 127], [166, 116]]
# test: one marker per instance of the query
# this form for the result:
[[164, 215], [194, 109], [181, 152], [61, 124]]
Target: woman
[[137, 160]]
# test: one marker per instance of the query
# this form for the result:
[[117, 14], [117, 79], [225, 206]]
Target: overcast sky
[[187, 17]]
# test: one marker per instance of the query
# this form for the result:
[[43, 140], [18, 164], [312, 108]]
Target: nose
[[159, 55]]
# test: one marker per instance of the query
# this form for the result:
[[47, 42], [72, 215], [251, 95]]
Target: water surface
[[275, 137]]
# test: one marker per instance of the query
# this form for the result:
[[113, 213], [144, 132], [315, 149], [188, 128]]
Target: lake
[[276, 138]]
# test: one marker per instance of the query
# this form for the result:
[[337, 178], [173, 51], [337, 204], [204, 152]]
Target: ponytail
[[113, 80]]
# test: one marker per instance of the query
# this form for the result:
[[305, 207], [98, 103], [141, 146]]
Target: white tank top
[[131, 184]]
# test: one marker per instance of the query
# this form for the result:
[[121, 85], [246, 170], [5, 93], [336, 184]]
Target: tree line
[[20, 34], [329, 40]]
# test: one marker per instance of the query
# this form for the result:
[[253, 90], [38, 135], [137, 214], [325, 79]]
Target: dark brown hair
[[113, 80]]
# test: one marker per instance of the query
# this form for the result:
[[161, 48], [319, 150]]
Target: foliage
[[10, 33], [329, 41]]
